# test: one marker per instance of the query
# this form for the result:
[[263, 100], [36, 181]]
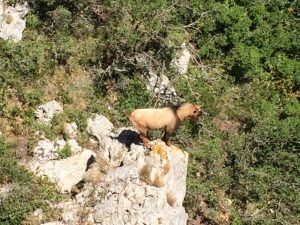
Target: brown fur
[[167, 118]]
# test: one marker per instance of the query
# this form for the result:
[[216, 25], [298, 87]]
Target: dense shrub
[[245, 71], [28, 192]]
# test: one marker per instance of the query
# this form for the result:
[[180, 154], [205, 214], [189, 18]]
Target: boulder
[[12, 22], [47, 111], [45, 150], [147, 191], [110, 149], [181, 63], [66, 173], [99, 126], [71, 130]]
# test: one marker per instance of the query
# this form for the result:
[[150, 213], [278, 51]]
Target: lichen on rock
[[138, 187]]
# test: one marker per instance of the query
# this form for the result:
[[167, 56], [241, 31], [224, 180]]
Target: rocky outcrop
[[46, 112], [181, 63], [66, 173], [110, 149], [160, 86], [149, 190], [138, 186], [158, 83], [12, 22]]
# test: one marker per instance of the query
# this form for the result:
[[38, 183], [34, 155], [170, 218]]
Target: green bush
[[65, 152], [244, 71], [28, 192]]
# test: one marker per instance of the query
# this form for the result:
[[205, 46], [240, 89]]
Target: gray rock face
[[48, 150], [147, 191], [100, 126], [68, 172], [46, 112], [45, 150], [12, 23], [140, 186], [71, 130], [181, 63], [160, 85], [109, 148]]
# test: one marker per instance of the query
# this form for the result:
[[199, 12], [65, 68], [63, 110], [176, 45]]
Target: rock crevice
[[138, 187]]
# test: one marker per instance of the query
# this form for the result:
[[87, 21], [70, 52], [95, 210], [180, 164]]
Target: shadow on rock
[[128, 137]]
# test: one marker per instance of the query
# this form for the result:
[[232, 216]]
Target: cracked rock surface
[[138, 186]]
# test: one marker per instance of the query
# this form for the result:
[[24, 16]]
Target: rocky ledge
[[118, 182]]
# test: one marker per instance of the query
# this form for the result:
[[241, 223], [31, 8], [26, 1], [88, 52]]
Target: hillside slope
[[101, 56]]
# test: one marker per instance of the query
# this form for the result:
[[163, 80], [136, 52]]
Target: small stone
[[71, 130], [45, 150], [54, 223], [75, 148], [99, 126], [47, 111]]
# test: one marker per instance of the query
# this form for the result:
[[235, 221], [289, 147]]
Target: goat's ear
[[197, 106]]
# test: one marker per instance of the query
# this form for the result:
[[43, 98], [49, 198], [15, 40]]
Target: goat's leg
[[144, 136], [167, 136]]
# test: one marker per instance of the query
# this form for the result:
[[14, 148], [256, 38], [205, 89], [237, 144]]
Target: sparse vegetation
[[28, 192], [244, 161], [65, 152]]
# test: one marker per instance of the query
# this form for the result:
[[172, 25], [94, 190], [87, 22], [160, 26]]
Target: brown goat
[[168, 118]]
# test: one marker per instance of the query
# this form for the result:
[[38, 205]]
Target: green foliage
[[61, 18], [245, 72], [65, 152], [133, 95], [250, 35], [26, 60], [79, 117], [28, 193]]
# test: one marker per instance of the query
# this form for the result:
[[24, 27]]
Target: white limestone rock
[[160, 85], [48, 150], [71, 130], [66, 173], [100, 126], [148, 191], [181, 63], [75, 148], [54, 223], [47, 111], [12, 22], [110, 149], [45, 150]]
